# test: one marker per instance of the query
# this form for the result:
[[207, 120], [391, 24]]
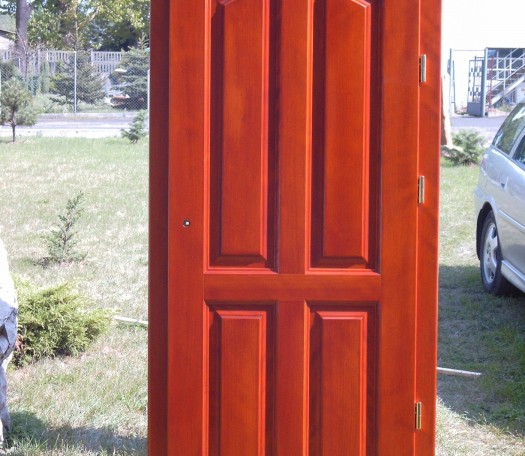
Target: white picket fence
[[103, 62]]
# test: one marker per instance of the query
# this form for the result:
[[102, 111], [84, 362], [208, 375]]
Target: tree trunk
[[13, 126], [23, 14]]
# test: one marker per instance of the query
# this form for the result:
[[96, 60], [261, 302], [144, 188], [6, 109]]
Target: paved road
[[71, 125], [110, 124], [487, 126]]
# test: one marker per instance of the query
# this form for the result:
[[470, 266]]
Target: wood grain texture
[[240, 381], [243, 117], [341, 118], [400, 135], [292, 379], [338, 383], [188, 141], [158, 233], [428, 225], [276, 338]]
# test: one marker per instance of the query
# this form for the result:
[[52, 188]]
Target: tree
[[16, 105], [79, 24], [132, 73], [137, 128], [89, 86], [120, 24], [23, 14]]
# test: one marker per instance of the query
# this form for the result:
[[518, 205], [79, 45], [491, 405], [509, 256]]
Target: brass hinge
[[423, 68], [421, 189], [418, 416]]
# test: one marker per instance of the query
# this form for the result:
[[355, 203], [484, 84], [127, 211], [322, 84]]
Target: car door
[[512, 207]]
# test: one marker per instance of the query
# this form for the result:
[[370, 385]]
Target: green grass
[[94, 404], [477, 332]]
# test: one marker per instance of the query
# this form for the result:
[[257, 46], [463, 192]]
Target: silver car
[[500, 205]]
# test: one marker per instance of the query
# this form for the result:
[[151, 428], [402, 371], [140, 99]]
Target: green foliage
[[84, 24], [54, 321], [61, 241], [133, 75], [467, 149], [120, 24], [44, 29], [9, 70], [90, 87], [16, 105], [137, 128]]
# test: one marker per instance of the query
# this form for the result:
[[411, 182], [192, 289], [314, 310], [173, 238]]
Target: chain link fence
[[81, 81]]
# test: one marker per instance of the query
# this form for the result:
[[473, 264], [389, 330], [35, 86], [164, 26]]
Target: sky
[[477, 24]]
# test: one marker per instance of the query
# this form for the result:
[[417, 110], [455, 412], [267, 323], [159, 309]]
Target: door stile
[[187, 137], [295, 134], [428, 226], [294, 150], [292, 383], [158, 232], [400, 57]]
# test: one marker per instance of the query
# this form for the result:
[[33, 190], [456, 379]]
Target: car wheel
[[490, 259]]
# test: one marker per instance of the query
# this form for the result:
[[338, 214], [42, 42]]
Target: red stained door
[[293, 267]]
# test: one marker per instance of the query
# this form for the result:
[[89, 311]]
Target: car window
[[519, 155], [511, 129]]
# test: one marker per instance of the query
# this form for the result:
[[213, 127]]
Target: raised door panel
[[240, 359], [342, 35], [242, 133], [341, 368]]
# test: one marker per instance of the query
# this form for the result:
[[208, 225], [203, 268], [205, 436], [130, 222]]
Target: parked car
[[500, 205]]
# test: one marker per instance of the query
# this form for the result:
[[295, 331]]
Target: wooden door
[[292, 264]]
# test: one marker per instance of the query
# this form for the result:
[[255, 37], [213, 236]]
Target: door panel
[[241, 379], [242, 136], [340, 134], [293, 229]]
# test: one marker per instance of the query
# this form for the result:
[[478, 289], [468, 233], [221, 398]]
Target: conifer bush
[[137, 129], [89, 85], [62, 239], [16, 105], [54, 321], [467, 148]]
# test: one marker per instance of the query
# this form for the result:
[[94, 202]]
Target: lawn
[[477, 332], [96, 404]]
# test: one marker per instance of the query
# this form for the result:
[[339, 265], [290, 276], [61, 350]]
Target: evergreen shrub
[[54, 321]]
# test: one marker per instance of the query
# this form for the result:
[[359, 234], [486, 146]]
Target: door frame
[[426, 40]]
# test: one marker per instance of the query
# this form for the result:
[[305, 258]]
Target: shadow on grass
[[482, 333], [30, 433]]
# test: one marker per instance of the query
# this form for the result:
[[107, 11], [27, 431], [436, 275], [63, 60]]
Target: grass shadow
[[482, 333], [29, 434]]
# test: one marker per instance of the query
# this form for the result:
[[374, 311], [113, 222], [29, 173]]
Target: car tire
[[490, 260]]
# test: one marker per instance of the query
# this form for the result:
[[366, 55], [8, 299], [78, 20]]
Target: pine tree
[[133, 75], [137, 128], [16, 105], [89, 87]]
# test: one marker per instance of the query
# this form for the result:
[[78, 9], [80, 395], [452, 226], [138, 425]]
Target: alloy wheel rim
[[490, 256]]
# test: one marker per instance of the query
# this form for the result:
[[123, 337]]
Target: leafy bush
[[467, 149], [54, 321]]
